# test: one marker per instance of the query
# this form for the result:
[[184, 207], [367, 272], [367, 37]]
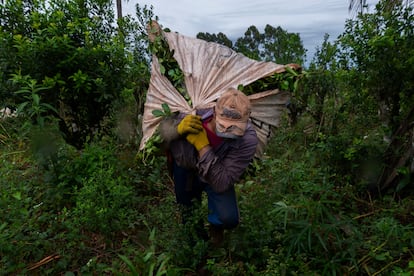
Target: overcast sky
[[310, 18]]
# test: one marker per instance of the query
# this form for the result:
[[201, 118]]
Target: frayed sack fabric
[[209, 69]]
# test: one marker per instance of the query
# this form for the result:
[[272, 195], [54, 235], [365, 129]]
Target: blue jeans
[[223, 209]]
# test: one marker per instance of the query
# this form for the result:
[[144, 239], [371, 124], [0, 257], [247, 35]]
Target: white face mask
[[227, 134]]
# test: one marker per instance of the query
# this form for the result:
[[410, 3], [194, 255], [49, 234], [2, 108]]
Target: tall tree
[[249, 44], [281, 46], [275, 44], [220, 38]]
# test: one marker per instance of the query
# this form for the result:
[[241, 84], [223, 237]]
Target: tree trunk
[[119, 8], [398, 154]]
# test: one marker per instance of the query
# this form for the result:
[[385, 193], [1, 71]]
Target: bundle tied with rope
[[208, 70]]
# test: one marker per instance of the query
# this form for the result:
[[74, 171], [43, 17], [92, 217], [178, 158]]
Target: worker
[[210, 151]]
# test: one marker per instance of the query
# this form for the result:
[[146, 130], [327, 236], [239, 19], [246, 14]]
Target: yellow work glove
[[190, 124], [199, 140]]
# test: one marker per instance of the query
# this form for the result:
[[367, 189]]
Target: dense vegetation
[[333, 195]]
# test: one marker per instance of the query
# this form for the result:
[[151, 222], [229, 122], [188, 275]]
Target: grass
[[100, 211]]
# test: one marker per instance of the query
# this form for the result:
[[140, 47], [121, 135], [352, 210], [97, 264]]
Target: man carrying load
[[210, 152]]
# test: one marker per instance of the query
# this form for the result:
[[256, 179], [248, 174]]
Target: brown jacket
[[221, 167]]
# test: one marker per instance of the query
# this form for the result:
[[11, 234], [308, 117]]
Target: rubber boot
[[216, 236]]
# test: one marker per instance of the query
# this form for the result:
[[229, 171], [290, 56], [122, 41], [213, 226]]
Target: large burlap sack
[[209, 69]]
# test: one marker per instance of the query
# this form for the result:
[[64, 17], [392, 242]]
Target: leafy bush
[[73, 49], [103, 203], [379, 47]]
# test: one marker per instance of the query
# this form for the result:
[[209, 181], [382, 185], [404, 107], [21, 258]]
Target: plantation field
[[101, 211], [332, 195]]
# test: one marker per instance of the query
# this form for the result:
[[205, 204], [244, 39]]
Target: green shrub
[[76, 51], [104, 203]]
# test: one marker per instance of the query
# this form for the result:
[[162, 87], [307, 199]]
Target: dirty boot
[[216, 236]]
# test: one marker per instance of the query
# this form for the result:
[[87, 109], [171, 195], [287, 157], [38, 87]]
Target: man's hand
[[190, 124], [199, 140]]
